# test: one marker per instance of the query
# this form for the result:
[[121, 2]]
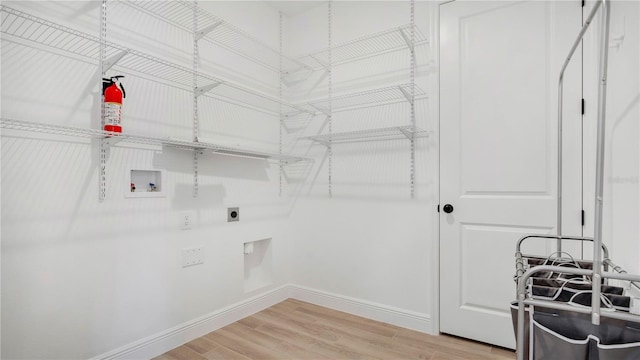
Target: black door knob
[[448, 208]]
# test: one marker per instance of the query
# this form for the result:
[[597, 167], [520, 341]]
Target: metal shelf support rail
[[596, 274], [111, 139]]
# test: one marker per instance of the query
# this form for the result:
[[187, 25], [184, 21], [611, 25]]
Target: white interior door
[[499, 65]]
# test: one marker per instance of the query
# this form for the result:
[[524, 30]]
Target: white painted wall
[[370, 240], [80, 277]]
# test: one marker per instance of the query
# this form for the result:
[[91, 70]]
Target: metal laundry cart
[[573, 312]]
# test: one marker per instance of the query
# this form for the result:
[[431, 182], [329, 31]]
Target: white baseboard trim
[[162, 342], [388, 314]]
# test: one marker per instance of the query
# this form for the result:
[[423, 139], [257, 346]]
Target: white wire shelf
[[367, 46], [382, 96], [33, 29], [114, 138], [407, 132], [215, 30]]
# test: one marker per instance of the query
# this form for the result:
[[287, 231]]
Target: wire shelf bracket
[[406, 94], [111, 61], [406, 38], [202, 33], [320, 109], [205, 89]]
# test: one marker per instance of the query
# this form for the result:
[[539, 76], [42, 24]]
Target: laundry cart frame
[[599, 272]]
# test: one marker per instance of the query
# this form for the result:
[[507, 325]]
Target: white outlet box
[[144, 183], [192, 256]]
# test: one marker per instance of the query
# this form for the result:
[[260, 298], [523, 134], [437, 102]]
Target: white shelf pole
[[412, 93], [281, 72], [196, 93], [329, 114], [102, 176]]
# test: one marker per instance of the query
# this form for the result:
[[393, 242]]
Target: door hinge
[[583, 3], [438, 207], [582, 216], [582, 107]]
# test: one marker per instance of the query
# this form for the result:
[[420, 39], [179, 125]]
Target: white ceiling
[[294, 7]]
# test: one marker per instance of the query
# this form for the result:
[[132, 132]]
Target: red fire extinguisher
[[113, 93]]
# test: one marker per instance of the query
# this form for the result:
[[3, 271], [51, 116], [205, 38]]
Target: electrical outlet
[[233, 214], [185, 221], [192, 256]]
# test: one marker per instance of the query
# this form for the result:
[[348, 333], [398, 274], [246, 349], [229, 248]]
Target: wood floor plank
[[183, 353], [377, 342], [503, 353], [407, 335], [333, 341], [287, 348], [445, 348], [289, 304], [322, 349], [331, 313], [251, 322], [201, 345], [284, 332], [317, 339], [288, 312], [298, 330], [224, 353], [296, 324], [241, 346], [349, 320]]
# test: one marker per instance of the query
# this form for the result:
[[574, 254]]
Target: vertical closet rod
[[602, 105], [560, 90]]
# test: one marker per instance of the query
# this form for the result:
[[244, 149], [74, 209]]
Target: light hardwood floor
[[296, 330]]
